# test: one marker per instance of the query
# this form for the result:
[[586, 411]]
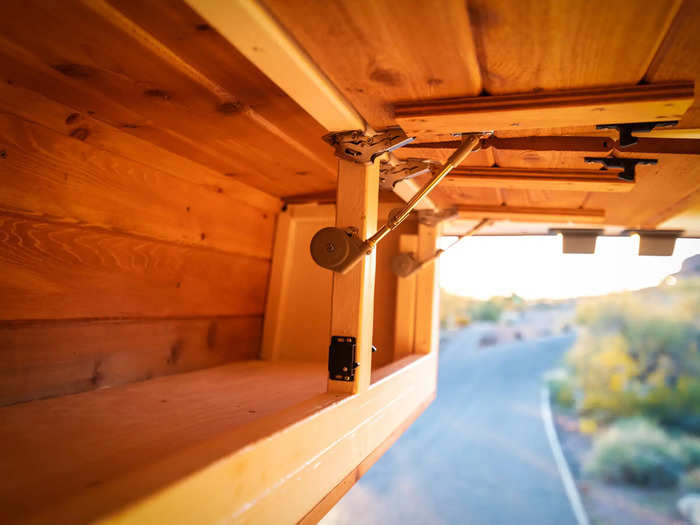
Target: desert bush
[[639, 356], [690, 482], [561, 388], [637, 452]]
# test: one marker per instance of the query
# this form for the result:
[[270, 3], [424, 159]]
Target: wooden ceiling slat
[[123, 75], [543, 179], [381, 51], [678, 56], [527, 45], [658, 187]]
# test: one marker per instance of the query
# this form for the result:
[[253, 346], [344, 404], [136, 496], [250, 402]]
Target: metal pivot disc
[[330, 247], [403, 264]]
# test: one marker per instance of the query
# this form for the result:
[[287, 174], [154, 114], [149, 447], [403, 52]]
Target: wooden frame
[[404, 329], [524, 214], [426, 336], [537, 179], [581, 107]]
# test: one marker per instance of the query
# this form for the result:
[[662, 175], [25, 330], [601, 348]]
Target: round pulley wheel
[[403, 264], [330, 247]]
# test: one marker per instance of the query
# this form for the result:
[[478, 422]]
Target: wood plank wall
[[119, 260], [114, 271]]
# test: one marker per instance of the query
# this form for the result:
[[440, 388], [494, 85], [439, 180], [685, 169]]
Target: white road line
[[564, 472]]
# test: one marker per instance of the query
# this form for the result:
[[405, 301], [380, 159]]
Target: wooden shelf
[[57, 449]]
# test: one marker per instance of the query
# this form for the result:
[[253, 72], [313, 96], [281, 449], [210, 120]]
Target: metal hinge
[[358, 147], [390, 174]]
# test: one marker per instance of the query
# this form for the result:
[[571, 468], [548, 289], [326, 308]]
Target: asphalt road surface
[[479, 454]]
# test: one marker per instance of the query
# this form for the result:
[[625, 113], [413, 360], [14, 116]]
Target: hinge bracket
[[627, 165], [390, 175], [356, 146]]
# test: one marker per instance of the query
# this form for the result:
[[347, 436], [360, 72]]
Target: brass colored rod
[[467, 146], [476, 228]]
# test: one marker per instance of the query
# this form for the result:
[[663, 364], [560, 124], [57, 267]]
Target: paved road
[[479, 454]]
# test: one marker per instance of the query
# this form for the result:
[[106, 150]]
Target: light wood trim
[[581, 107], [427, 292], [408, 188], [526, 214], [537, 179], [671, 133], [258, 36], [335, 495], [352, 304], [276, 292], [273, 470], [405, 303]]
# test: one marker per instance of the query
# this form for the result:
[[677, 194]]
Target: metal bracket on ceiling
[[627, 165], [433, 218], [390, 174], [358, 147], [626, 130]]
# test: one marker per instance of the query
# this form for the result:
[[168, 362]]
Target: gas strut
[[339, 250], [404, 264]]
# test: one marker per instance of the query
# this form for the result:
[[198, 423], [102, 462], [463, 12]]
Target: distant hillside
[[690, 267]]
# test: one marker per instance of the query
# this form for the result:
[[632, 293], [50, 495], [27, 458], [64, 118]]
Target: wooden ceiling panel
[[528, 45], [678, 57], [377, 52], [658, 189], [168, 78]]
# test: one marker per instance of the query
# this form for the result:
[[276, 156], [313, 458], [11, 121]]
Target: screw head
[[330, 247]]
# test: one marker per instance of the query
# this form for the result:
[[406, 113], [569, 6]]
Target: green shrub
[[561, 388], [637, 452], [690, 482]]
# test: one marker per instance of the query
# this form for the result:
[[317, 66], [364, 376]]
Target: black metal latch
[[341, 358], [628, 165], [626, 130]]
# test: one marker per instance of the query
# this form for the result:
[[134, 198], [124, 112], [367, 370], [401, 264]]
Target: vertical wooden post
[[427, 325], [405, 303], [352, 304]]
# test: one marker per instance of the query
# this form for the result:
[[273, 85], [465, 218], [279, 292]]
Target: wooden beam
[[602, 144], [426, 336], [404, 327], [258, 36], [537, 179], [335, 495], [269, 466], [352, 303], [526, 214], [581, 107]]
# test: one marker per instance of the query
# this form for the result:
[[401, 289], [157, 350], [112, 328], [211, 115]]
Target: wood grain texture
[[528, 214], [54, 358], [50, 175], [527, 45], [654, 193], [36, 108], [352, 294], [126, 75], [513, 178], [63, 448], [678, 56], [303, 451], [335, 495], [60, 271], [580, 107], [381, 51]]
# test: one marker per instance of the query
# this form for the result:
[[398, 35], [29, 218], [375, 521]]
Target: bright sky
[[534, 267]]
